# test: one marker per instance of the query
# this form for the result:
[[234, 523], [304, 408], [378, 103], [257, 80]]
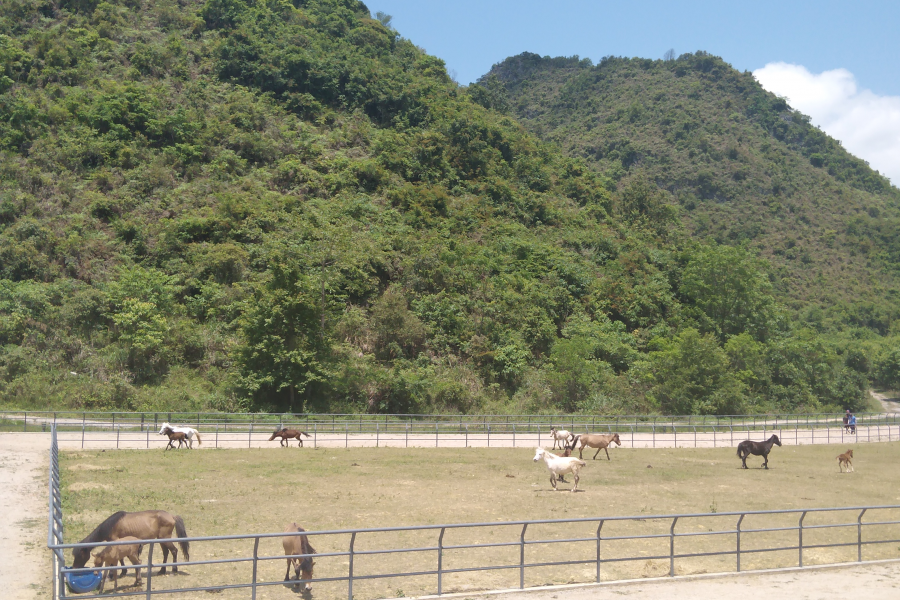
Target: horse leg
[[300, 439], [287, 574], [174, 550], [580, 450], [766, 460], [575, 488], [606, 449], [165, 550], [553, 480], [137, 572], [744, 460], [124, 570]]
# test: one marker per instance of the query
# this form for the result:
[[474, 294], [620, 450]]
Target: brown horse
[[748, 447], [144, 525], [176, 436], [294, 547], [596, 440], [845, 459], [110, 556], [289, 434]]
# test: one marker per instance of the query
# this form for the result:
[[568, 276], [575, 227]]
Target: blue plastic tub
[[81, 583]]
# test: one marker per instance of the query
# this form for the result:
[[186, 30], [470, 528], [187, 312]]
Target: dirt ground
[[24, 560], [873, 582], [889, 402]]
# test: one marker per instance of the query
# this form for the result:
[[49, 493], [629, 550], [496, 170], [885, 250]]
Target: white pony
[[560, 465], [190, 432], [560, 435]]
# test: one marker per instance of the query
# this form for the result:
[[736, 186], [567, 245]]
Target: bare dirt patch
[[24, 560]]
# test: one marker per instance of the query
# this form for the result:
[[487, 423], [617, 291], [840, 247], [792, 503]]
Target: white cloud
[[868, 125]]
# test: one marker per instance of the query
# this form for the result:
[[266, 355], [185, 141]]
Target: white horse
[[560, 465], [560, 435], [190, 432]]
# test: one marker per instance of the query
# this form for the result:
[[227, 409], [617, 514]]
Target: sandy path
[[889, 403], [24, 559], [872, 582]]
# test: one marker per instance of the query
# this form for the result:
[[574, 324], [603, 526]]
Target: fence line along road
[[445, 435], [795, 537], [18, 420]]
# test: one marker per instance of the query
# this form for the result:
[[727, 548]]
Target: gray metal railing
[[19, 420], [108, 434], [588, 531]]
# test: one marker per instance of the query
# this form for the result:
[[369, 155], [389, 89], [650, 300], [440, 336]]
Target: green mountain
[[284, 205], [744, 168]]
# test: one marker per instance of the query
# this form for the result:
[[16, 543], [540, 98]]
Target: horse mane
[[104, 529]]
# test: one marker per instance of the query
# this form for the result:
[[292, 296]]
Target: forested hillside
[[741, 165], [238, 204]]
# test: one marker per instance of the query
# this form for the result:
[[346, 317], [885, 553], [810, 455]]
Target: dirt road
[[889, 403], [24, 560], [873, 582]]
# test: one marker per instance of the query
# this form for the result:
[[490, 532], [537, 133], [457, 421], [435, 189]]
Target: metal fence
[[795, 537], [126, 434], [18, 420]]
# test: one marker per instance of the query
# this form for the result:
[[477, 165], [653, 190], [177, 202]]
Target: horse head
[[163, 427], [775, 439], [615, 438], [80, 557], [166, 431], [539, 454]]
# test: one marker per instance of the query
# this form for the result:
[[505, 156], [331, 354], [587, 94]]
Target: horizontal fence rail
[[522, 551], [125, 430]]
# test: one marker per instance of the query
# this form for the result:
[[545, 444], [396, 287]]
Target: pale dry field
[[221, 492]]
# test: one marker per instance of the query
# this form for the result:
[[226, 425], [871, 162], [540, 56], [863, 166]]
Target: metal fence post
[[488, 436], [376, 434], [859, 535], [522, 557], [407, 434], [441, 561], [599, 527], [150, 570], [800, 533], [672, 548], [514, 435], [255, 563], [739, 543], [83, 419], [436, 435], [350, 568]]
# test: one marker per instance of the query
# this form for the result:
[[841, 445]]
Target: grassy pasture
[[220, 492]]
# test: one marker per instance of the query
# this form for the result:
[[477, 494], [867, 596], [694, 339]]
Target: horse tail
[[197, 434], [182, 533], [739, 449], [304, 433]]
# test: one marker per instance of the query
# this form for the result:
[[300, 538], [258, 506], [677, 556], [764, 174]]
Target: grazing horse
[[110, 556], [599, 441], [747, 447], [295, 546], [176, 436], [289, 434], [559, 465], [144, 525], [560, 435], [190, 432], [845, 459]]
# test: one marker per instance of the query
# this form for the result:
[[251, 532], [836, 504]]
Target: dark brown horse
[[747, 447], [144, 525], [295, 545], [289, 434], [176, 436]]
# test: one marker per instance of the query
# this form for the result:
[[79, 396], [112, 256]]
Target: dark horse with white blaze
[[144, 525], [747, 447]]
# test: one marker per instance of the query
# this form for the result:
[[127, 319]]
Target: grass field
[[221, 492]]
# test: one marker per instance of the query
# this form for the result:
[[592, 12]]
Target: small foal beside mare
[[110, 556]]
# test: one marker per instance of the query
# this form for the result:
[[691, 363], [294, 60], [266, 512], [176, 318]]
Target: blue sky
[[860, 36], [855, 43]]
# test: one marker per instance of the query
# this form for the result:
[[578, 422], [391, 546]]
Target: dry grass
[[221, 492]]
